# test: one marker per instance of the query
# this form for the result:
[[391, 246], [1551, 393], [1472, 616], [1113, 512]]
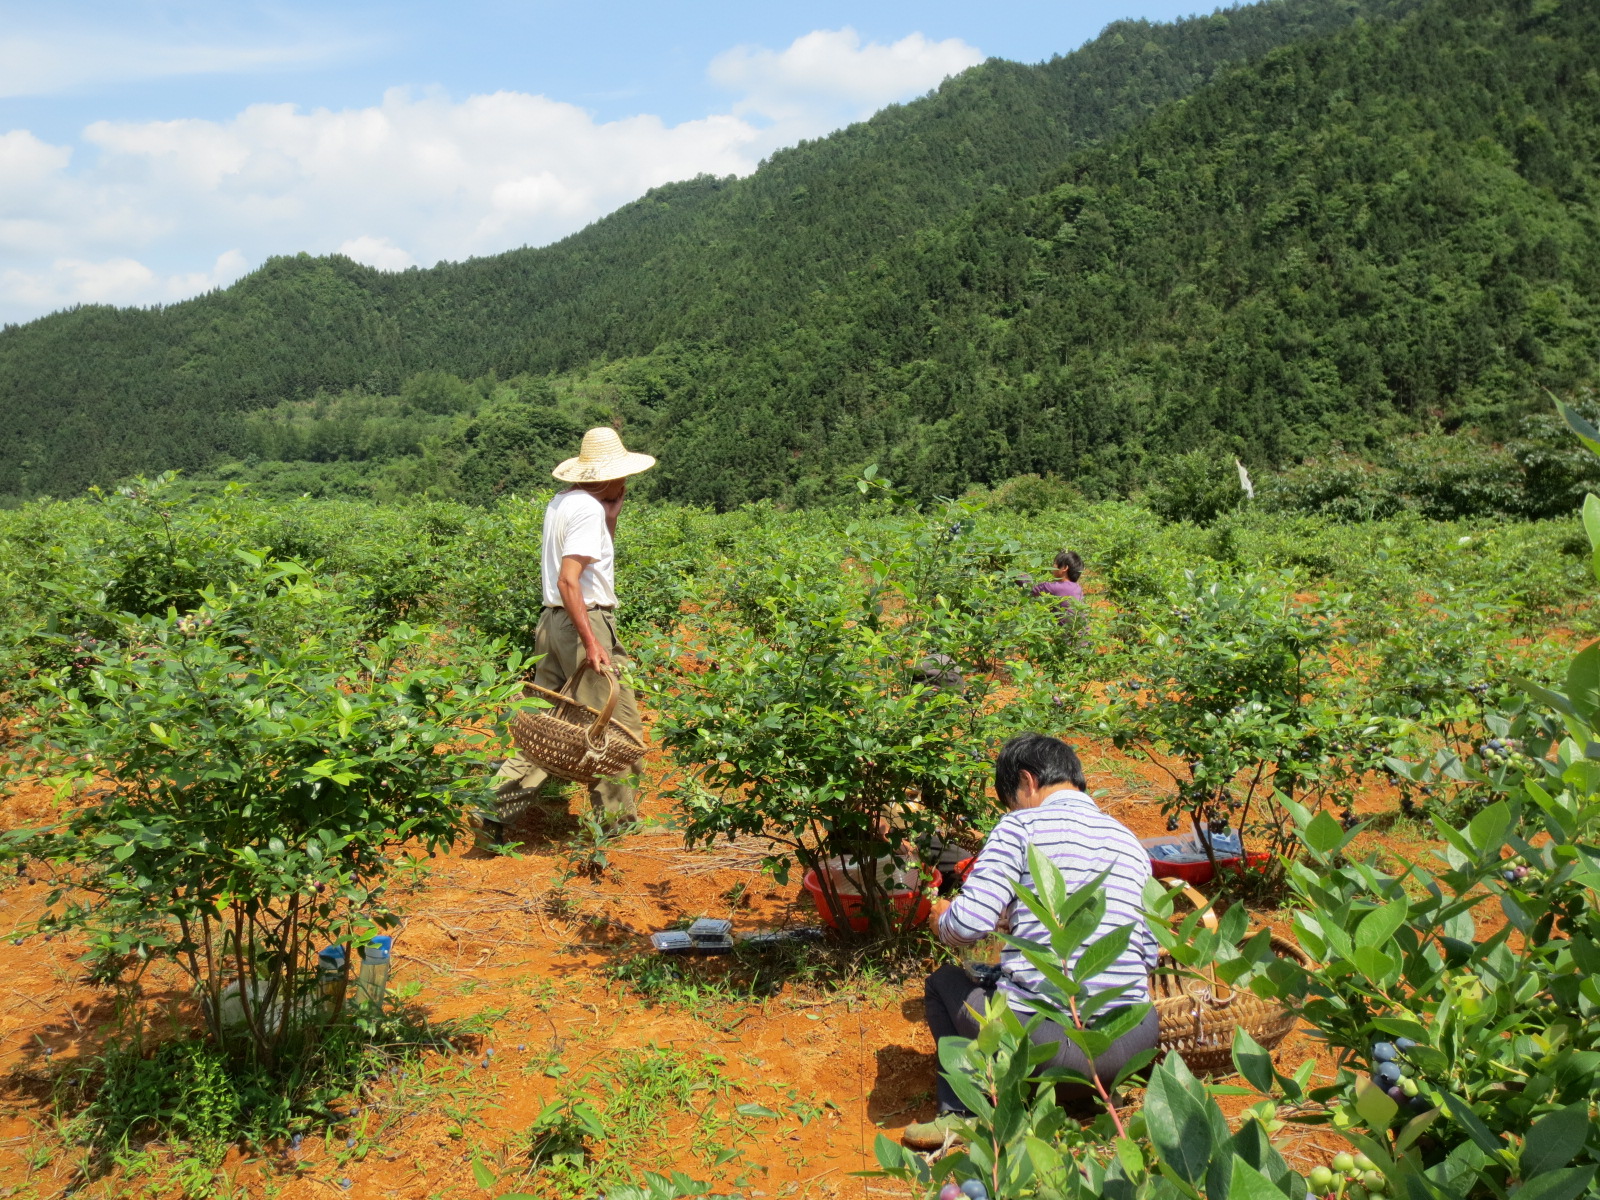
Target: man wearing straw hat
[[579, 622]]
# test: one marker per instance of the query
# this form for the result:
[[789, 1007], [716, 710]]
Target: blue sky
[[150, 150]]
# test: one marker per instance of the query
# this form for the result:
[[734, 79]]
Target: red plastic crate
[[903, 903], [1198, 872]]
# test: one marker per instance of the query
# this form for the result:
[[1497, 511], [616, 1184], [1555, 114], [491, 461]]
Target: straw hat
[[602, 457]]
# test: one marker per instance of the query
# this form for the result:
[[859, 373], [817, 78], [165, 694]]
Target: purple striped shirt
[[1069, 829]]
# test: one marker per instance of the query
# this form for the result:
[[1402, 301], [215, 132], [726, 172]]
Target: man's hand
[[934, 913], [611, 498]]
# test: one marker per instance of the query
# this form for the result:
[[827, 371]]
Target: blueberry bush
[[234, 779], [852, 717]]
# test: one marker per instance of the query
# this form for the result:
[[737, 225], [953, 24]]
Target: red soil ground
[[483, 933]]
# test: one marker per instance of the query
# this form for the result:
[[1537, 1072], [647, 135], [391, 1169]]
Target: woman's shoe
[[937, 1134]]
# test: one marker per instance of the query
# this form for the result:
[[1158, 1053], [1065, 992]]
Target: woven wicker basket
[[1199, 1015], [571, 740]]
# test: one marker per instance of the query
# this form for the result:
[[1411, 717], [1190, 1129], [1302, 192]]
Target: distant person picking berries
[[1065, 586]]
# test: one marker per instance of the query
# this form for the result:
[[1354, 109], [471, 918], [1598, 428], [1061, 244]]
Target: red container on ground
[[1198, 872], [904, 903]]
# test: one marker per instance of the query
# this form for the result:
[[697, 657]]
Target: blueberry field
[[243, 733]]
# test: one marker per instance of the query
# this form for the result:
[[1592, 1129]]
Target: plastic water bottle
[[330, 975], [373, 981]]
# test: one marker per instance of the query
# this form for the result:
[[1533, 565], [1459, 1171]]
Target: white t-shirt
[[575, 523]]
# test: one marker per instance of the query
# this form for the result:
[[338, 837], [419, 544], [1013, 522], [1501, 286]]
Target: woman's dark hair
[[1049, 760], [1069, 562]]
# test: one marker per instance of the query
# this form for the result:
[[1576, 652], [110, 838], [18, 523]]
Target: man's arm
[[567, 584]]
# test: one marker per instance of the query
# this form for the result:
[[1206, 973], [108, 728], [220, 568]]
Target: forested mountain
[[94, 393], [1289, 223], [1359, 235]]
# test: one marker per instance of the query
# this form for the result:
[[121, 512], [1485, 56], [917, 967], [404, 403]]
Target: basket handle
[[1208, 916], [1220, 992], [597, 731]]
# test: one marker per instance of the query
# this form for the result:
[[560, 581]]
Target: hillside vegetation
[[1358, 235], [1260, 233], [96, 392]]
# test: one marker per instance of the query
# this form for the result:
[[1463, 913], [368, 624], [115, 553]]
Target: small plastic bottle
[[330, 975], [373, 981]]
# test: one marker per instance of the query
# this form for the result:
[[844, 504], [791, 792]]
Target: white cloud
[[131, 214], [34, 66], [831, 67], [377, 252], [25, 160], [116, 280], [75, 45]]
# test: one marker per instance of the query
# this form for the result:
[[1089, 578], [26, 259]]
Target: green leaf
[[1487, 830], [1554, 1140], [1587, 433], [1378, 967], [483, 1175], [1567, 1184], [1178, 1125], [1376, 1109], [1546, 697], [887, 1153], [1323, 834], [755, 1110], [1046, 1159], [1247, 1183], [1130, 1156], [1463, 1115], [1583, 680], [1101, 953], [1413, 1129], [1591, 521], [1254, 1062], [1379, 925]]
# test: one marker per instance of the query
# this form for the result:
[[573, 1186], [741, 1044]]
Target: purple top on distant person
[[1065, 584]]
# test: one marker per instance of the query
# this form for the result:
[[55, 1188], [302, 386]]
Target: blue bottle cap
[[378, 949], [331, 959]]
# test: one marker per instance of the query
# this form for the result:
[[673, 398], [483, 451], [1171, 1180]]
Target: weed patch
[[656, 1104], [193, 1101]]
